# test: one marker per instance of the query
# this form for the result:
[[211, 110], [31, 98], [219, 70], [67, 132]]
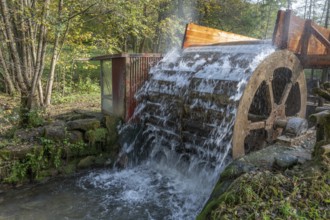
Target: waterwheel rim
[[278, 105]]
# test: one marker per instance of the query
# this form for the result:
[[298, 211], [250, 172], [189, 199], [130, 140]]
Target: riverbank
[[61, 140], [281, 181]]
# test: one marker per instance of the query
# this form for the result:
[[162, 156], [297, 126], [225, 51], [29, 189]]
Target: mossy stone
[[97, 135], [111, 123], [86, 162], [70, 168], [75, 137], [84, 124]]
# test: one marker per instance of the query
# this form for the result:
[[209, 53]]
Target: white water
[[182, 166]]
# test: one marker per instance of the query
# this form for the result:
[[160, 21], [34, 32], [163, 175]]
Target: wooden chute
[[196, 35]]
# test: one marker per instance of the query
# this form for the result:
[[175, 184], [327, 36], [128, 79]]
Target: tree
[[65, 15], [24, 31], [25, 35]]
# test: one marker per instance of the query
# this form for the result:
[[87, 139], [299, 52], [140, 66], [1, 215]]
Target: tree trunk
[[12, 45], [40, 57], [6, 75], [180, 10], [54, 57]]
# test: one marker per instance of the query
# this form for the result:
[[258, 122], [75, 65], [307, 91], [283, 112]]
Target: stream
[[147, 191]]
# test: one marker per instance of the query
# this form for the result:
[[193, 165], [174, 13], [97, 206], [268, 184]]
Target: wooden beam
[[320, 37], [286, 30], [305, 37], [315, 61]]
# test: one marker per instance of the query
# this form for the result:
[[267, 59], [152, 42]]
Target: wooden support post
[[305, 38], [286, 29]]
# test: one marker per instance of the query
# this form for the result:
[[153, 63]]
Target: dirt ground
[[9, 108]]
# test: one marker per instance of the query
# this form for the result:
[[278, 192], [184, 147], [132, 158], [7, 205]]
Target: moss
[[321, 92], [97, 135], [323, 125], [70, 167], [5, 154], [268, 195], [111, 123], [207, 211], [47, 173], [318, 152], [86, 162]]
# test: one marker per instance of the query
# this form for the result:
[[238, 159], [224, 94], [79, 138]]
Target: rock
[[122, 161], [75, 136], [83, 124], [54, 132], [29, 134], [58, 123], [285, 161], [97, 135], [236, 169], [103, 160], [296, 126], [111, 123], [70, 168], [86, 162]]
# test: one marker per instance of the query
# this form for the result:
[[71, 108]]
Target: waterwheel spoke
[[256, 125], [270, 95], [285, 93]]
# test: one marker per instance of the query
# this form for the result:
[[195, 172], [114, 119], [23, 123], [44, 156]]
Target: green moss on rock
[[86, 162], [273, 195], [97, 135], [84, 124], [111, 123]]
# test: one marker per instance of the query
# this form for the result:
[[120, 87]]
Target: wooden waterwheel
[[275, 92]]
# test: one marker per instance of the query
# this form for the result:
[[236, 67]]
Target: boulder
[[122, 161], [54, 132], [86, 162], [97, 135], [285, 161], [83, 124], [29, 134], [75, 136]]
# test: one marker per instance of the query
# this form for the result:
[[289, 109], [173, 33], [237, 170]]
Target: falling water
[[186, 115]]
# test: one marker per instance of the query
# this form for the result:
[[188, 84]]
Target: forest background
[[44, 42]]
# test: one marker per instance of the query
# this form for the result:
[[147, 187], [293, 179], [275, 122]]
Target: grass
[[301, 193]]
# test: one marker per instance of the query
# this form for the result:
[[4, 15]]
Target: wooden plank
[[196, 35]]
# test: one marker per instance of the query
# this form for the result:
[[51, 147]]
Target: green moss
[[97, 135], [318, 152], [5, 154], [321, 92], [267, 195], [86, 162], [70, 168], [111, 123]]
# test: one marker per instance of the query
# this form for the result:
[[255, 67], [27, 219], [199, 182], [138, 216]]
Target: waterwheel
[[275, 92], [211, 101]]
